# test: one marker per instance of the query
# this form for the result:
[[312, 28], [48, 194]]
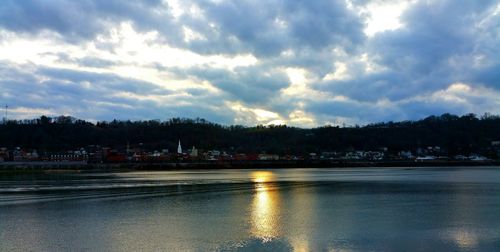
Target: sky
[[301, 63]]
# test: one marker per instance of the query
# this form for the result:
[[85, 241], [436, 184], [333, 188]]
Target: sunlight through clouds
[[300, 63], [384, 15]]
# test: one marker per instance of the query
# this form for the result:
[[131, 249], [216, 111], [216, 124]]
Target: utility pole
[[6, 108]]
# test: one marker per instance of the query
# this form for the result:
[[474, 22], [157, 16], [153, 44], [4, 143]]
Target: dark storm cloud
[[241, 26], [437, 47], [270, 27], [55, 86], [488, 76], [356, 111], [76, 20], [434, 33], [93, 95], [109, 81], [370, 87], [252, 85], [419, 109], [87, 61]]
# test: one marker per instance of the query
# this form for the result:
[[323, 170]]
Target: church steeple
[[179, 148]]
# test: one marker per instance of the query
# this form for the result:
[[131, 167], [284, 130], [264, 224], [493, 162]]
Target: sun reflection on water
[[265, 209], [465, 239], [262, 176]]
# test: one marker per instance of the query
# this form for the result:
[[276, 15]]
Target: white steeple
[[179, 148]]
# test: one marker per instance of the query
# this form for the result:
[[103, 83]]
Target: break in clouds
[[302, 63]]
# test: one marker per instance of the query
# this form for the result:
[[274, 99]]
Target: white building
[[194, 152], [179, 148]]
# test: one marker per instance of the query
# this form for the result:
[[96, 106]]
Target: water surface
[[376, 209]]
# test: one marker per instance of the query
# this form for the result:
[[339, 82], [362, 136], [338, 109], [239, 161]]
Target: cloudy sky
[[303, 63]]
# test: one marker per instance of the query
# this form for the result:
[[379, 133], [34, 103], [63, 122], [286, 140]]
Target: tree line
[[454, 134]]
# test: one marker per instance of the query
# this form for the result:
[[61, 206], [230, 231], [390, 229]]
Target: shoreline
[[82, 167]]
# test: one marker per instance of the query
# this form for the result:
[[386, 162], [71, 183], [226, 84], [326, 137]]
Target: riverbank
[[33, 167]]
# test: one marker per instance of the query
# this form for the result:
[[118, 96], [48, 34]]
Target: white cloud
[[384, 15], [302, 63]]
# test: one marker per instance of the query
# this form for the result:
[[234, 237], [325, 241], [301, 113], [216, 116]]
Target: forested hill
[[453, 134]]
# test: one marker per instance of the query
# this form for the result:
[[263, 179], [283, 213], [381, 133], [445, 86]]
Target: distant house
[[477, 157], [193, 153], [268, 157], [406, 154], [4, 154], [114, 156], [425, 158], [328, 155], [212, 155], [460, 157], [18, 154], [240, 157]]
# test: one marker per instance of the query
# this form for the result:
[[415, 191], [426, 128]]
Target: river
[[375, 209]]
